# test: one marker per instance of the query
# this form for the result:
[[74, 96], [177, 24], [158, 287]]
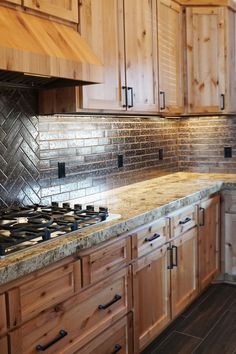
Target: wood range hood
[[38, 53]]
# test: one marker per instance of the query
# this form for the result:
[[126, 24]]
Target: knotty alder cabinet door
[[170, 56], [205, 59], [65, 9], [101, 24], [184, 271], [209, 240], [124, 36], [141, 55], [151, 296]]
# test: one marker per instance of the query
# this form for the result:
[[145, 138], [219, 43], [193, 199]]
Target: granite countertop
[[137, 204]]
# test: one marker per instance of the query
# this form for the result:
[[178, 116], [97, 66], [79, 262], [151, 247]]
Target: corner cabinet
[[170, 56]]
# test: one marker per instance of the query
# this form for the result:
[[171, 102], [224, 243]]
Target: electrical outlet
[[161, 154], [61, 170], [120, 161], [227, 151]]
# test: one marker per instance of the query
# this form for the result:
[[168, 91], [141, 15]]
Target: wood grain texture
[[205, 58], [35, 45], [209, 243], [65, 9], [141, 53], [151, 297], [184, 281], [4, 345], [170, 55], [3, 312], [101, 24]]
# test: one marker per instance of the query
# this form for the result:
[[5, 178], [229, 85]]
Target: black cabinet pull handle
[[152, 238], [43, 348], [185, 221], [131, 96], [117, 348], [175, 264], [116, 298], [222, 105], [126, 96], [169, 249], [163, 101], [203, 216]]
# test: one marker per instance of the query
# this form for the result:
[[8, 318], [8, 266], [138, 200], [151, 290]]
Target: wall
[[201, 144], [31, 147], [19, 150], [89, 146]]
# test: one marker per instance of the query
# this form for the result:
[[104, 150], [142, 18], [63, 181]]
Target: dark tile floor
[[208, 326]]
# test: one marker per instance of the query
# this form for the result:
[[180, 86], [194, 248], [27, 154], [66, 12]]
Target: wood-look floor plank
[[204, 317], [177, 343], [222, 338]]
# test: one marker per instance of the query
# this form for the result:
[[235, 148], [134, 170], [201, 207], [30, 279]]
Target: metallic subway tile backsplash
[[32, 146]]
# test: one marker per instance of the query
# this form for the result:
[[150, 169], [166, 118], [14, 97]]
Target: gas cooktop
[[25, 226]]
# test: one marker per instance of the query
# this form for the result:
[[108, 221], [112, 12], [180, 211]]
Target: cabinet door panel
[[141, 54], [65, 9], [4, 345], [101, 23], [151, 294], [170, 55], [205, 58], [82, 317], [209, 241], [116, 337], [184, 284], [3, 317], [18, 2]]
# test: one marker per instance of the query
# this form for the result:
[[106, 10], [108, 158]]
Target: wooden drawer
[[71, 324], [47, 288], [116, 339], [98, 263], [183, 220], [3, 317], [4, 346], [149, 237]]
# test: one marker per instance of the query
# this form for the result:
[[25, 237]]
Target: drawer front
[[3, 317], [149, 237], [104, 260], [183, 220], [116, 339], [73, 323], [4, 346], [44, 291]]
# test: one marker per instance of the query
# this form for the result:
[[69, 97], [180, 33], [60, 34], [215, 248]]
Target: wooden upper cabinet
[[101, 24], [205, 59], [170, 55], [65, 9], [141, 55]]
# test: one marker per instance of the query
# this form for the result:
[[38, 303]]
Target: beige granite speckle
[[137, 204]]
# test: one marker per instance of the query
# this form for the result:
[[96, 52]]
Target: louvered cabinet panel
[[170, 55]]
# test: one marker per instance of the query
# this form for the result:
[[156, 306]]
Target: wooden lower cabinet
[[184, 272], [151, 283], [69, 325], [4, 345], [3, 315], [116, 339], [209, 240]]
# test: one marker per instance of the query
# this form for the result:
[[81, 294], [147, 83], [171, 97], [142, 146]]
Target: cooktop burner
[[22, 227]]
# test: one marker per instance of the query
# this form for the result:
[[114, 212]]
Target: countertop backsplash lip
[[190, 188]]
